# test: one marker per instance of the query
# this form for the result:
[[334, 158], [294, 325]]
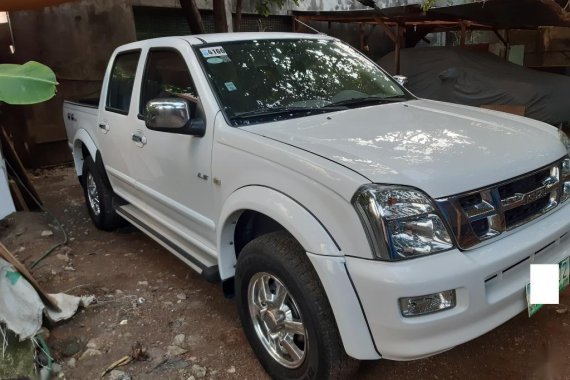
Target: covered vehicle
[[476, 78]]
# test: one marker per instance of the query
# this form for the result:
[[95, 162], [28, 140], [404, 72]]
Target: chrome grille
[[480, 215]]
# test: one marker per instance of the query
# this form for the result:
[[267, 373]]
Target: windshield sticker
[[214, 51], [215, 60], [230, 86]]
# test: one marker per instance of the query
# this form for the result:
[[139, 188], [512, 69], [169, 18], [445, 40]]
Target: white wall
[[6, 202]]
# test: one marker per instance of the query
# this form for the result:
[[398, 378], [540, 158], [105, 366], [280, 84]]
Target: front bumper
[[490, 284]]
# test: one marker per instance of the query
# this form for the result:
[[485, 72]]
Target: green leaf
[[29, 83], [427, 4]]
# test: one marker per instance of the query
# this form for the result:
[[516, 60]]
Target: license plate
[[564, 271]]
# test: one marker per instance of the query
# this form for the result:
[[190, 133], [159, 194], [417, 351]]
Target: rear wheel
[[285, 313], [99, 197]]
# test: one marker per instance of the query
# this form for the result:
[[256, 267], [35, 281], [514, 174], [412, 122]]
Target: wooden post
[[398, 47], [463, 32], [507, 44], [361, 27], [192, 15]]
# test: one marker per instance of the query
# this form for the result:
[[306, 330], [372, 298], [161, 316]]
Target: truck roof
[[198, 39]]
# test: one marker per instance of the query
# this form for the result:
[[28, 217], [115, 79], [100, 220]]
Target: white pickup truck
[[350, 219]]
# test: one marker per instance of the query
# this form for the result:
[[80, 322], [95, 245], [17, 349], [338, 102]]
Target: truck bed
[[80, 114]]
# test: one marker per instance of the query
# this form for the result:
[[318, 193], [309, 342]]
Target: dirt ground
[[146, 295]]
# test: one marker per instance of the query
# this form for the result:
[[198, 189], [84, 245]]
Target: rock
[[89, 353], [191, 378], [62, 257], [562, 309], [232, 369], [56, 368], [178, 364], [172, 351], [70, 348], [69, 268], [143, 283], [123, 322], [198, 371], [71, 363], [119, 375], [179, 340], [181, 296], [94, 343], [47, 233]]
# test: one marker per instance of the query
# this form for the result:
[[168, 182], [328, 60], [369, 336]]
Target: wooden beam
[[387, 29]]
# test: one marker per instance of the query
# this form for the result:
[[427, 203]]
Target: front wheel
[[285, 313]]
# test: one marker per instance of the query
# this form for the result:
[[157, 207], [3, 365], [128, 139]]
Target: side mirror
[[401, 79], [173, 115]]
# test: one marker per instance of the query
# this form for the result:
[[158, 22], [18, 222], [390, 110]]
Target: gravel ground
[[147, 297]]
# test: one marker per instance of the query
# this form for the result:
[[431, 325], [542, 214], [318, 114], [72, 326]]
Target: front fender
[[294, 217]]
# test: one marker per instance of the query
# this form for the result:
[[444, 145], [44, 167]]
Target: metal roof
[[492, 14]]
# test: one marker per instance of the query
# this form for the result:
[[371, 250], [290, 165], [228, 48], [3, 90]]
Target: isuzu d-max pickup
[[350, 219]]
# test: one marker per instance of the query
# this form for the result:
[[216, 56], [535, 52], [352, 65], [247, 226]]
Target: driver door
[[173, 169]]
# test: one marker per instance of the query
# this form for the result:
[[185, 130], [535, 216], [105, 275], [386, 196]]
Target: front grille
[[519, 215], [523, 185], [480, 215]]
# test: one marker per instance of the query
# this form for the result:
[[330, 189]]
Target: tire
[[99, 197], [277, 262]]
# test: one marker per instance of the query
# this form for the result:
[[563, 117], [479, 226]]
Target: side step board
[[210, 273]]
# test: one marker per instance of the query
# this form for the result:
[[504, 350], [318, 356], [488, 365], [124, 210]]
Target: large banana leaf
[[29, 83]]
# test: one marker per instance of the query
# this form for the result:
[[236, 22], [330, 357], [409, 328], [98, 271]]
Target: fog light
[[431, 303]]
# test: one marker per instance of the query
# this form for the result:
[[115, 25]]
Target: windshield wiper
[[277, 111], [367, 100]]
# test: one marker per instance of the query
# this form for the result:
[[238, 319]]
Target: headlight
[[565, 177], [401, 222], [565, 139]]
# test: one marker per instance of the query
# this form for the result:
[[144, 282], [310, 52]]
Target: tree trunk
[[193, 16], [220, 16], [237, 23]]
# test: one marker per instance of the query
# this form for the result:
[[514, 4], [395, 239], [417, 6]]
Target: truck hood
[[441, 148]]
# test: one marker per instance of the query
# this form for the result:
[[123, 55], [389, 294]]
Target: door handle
[[139, 139], [104, 127]]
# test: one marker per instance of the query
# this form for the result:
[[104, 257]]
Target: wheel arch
[[277, 208], [82, 144]]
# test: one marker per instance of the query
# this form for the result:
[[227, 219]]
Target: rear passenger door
[[117, 116]]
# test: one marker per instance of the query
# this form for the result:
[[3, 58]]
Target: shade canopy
[[16, 5]]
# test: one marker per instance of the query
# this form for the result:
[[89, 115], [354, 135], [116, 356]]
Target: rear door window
[[121, 82]]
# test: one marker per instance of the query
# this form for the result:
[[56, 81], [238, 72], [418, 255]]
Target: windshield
[[267, 80]]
